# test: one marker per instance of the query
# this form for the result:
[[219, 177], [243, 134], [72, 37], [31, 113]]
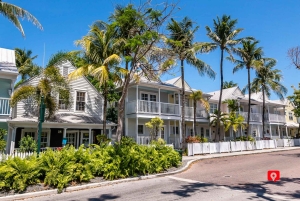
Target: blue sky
[[275, 23]]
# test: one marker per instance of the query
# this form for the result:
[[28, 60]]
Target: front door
[[71, 138], [85, 138]]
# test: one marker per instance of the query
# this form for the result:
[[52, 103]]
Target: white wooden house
[[79, 123]]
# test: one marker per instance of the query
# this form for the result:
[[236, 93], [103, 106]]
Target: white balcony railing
[[4, 106], [253, 116], [200, 113], [275, 118], [152, 107], [168, 108], [148, 106], [144, 140]]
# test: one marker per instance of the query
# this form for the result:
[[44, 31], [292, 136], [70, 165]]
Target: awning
[[292, 125]]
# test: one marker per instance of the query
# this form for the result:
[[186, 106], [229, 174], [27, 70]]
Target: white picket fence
[[234, 146], [4, 156]]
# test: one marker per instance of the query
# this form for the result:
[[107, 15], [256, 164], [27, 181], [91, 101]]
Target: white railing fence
[[144, 140], [148, 106], [4, 156], [168, 108], [4, 106], [200, 113], [234, 146]]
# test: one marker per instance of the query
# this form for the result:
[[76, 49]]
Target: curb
[[106, 183]]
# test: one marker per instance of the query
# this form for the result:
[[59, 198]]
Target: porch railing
[[200, 113], [152, 107], [253, 116], [275, 118], [144, 140], [169, 108], [4, 106]]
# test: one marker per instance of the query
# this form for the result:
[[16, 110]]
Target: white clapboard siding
[[94, 101]]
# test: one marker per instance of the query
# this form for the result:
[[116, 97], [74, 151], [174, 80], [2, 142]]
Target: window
[[213, 107], [61, 103], [144, 96], [207, 133], [140, 129], [175, 130], [202, 131], [291, 116], [277, 112], [152, 97], [31, 134], [80, 101], [44, 139]]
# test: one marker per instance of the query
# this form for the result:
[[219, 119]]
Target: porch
[[4, 106]]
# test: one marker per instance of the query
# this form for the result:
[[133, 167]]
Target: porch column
[[179, 104], [90, 136], [180, 133], [65, 133], [136, 129], [126, 126], [137, 98], [174, 133], [270, 130], [169, 132], [269, 114], [78, 136], [159, 104], [286, 131], [109, 133], [209, 132], [12, 140], [278, 131]]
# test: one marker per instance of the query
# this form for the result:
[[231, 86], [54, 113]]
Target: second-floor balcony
[[4, 106], [153, 107], [257, 117]]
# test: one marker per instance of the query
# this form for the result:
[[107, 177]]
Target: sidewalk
[[218, 155]]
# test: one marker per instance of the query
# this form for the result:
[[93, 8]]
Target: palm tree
[[100, 61], [198, 96], [13, 12], [25, 65], [213, 118], [249, 54], [223, 36], [234, 121], [232, 105], [182, 46], [50, 84], [230, 84], [268, 80]]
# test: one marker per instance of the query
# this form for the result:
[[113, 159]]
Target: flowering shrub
[[196, 139], [244, 138]]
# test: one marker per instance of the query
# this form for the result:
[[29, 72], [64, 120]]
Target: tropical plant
[[25, 65], [103, 139], [250, 55], [234, 121], [224, 36], [17, 173], [268, 80], [137, 30], [100, 61], [232, 105], [51, 84], [213, 118], [295, 99], [3, 132], [197, 96], [27, 144], [230, 84], [155, 125], [13, 12], [185, 49]]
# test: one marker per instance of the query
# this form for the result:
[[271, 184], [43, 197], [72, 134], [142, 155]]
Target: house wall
[[5, 86], [132, 94]]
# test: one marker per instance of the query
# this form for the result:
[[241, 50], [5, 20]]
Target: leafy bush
[[196, 139], [60, 168], [17, 173], [245, 138], [102, 139], [27, 144], [3, 132]]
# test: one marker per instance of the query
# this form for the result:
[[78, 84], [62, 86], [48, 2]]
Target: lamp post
[[41, 120]]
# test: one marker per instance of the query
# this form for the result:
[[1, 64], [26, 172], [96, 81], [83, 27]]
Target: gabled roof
[[229, 93], [178, 83]]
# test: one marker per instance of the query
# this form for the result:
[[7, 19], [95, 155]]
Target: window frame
[[291, 116], [148, 94], [215, 104], [143, 129], [75, 100]]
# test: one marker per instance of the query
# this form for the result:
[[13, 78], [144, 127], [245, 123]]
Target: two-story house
[[79, 123], [148, 99], [8, 76], [274, 114]]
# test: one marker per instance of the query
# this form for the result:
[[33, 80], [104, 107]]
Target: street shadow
[[260, 189], [104, 197], [187, 190], [263, 188]]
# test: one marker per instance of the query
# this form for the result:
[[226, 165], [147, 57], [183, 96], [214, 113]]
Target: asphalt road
[[231, 178]]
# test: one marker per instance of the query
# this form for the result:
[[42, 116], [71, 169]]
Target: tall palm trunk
[[249, 101], [220, 98], [195, 106], [183, 106], [263, 112], [121, 106], [104, 108]]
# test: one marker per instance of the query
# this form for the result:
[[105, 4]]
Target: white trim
[[85, 100], [149, 93], [143, 129]]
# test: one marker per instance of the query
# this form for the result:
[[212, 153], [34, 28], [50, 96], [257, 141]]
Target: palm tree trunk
[[220, 98], [183, 106], [104, 109], [121, 106], [263, 112], [195, 106], [249, 101]]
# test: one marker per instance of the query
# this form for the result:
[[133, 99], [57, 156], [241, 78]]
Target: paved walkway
[[205, 156]]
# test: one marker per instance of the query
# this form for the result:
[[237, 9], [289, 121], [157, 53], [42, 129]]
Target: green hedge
[[59, 168]]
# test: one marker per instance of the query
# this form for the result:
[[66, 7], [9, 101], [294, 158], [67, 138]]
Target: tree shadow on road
[[104, 197], [188, 190], [263, 188]]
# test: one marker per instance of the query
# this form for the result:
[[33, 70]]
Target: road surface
[[230, 178]]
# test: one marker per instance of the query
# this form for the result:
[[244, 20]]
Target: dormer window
[[80, 101]]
